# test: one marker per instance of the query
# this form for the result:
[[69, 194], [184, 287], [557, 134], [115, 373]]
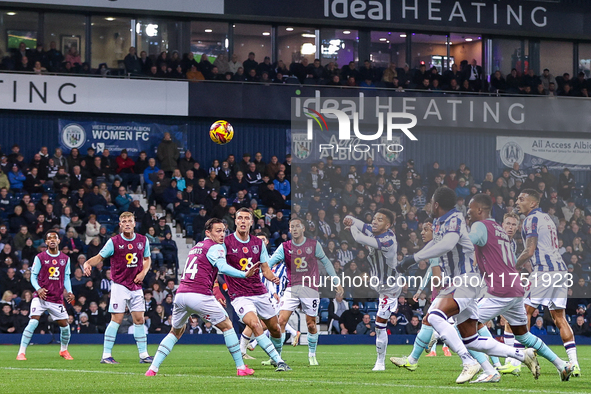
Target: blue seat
[[551, 330], [112, 208], [324, 317], [36, 196], [372, 315], [324, 302], [371, 305], [104, 219]]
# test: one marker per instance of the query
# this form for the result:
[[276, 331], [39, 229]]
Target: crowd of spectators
[[463, 77], [81, 196], [324, 193]]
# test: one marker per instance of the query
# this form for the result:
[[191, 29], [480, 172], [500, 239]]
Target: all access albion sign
[[92, 94]]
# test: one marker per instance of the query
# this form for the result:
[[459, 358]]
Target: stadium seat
[[324, 302], [371, 305], [324, 317], [104, 219], [372, 315]]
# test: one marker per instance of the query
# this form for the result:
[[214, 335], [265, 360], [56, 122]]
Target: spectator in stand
[[539, 329], [16, 179], [272, 198], [580, 327], [282, 185], [350, 319], [234, 64], [123, 200], [145, 63], [125, 169], [133, 65], [414, 326], [73, 57], [366, 326], [394, 328], [168, 154], [566, 184]]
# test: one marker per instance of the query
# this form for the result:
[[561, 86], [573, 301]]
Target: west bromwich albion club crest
[[255, 249]]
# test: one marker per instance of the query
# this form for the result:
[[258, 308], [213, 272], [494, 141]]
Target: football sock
[[381, 341], [421, 342], [282, 341], [139, 333], [164, 349], [509, 339], [492, 347], [64, 337], [278, 343], [290, 330], [514, 361], [483, 361], [483, 332], [312, 343], [110, 336], [266, 344], [243, 343], [28, 334], [448, 334], [571, 351], [530, 340], [234, 347], [254, 343]]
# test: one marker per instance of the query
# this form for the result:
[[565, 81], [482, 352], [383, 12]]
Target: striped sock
[[312, 344], [27, 335], [110, 336], [571, 351], [164, 350], [139, 333], [421, 342], [530, 340], [233, 347], [64, 337], [266, 344]]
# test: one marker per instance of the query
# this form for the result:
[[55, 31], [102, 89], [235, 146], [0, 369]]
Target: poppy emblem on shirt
[[129, 246], [54, 262], [244, 249], [255, 249], [299, 252]]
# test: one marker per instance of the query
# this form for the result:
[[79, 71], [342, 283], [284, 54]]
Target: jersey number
[[508, 256], [191, 268], [300, 263], [131, 258]]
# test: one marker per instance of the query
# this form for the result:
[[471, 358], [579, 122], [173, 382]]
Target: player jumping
[[250, 298], [50, 275], [130, 262], [504, 295], [195, 295], [381, 241], [549, 276], [301, 257]]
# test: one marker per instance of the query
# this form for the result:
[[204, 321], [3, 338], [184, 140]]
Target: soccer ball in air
[[221, 132]]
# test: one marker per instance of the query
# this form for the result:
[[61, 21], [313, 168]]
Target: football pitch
[[209, 368]]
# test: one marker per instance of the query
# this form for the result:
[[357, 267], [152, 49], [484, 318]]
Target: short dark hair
[[483, 200], [532, 193], [298, 220], [247, 210], [209, 224], [445, 197], [389, 214], [51, 232]]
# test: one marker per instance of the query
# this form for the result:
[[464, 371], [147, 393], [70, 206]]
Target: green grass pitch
[[210, 369]]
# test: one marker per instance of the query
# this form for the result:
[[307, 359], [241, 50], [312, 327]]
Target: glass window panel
[[557, 56], [430, 50], [295, 43], [507, 54], [68, 31], [464, 48], [388, 47], [111, 39], [584, 59], [339, 46], [17, 27], [252, 38], [152, 36], [210, 38]]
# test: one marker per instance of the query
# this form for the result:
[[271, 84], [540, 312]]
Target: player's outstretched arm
[[277, 257], [268, 274], [350, 221], [107, 251], [531, 244], [147, 264], [363, 239], [447, 243], [320, 255]]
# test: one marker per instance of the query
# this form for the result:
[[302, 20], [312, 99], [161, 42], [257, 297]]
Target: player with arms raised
[[249, 296], [381, 241], [50, 275], [130, 262], [504, 295], [195, 295], [549, 278], [301, 257]]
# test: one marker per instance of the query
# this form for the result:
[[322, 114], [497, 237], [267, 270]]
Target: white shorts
[[547, 288], [121, 297], [388, 305], [304, 297], [205, 306], [512, 309], [465, 297], [262, 305], [56, 311]]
